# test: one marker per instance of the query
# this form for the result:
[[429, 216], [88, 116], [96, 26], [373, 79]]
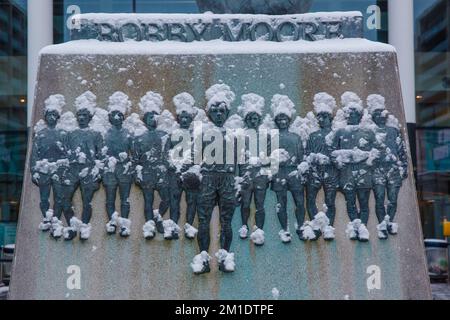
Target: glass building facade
[[13, 112], [430, 141], [432, 27]]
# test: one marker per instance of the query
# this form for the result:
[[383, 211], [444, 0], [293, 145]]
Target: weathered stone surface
[[114, 268]]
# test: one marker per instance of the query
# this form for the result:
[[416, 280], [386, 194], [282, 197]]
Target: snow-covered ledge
[[215, 47]]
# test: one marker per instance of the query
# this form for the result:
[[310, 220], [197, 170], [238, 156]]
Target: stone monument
[[230, 127]]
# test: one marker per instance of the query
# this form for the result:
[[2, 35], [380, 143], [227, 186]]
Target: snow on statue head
[[376, 105], [151, 106], [120, 102], [55, 103], [324, 103], [251, 103], [252, 109], [352, 107], [152, 102], [376, 102], [184, 102], [350, 97], [87, 101], [220, 97], [220, 94], [282, 105]]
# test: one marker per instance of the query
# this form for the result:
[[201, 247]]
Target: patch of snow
[[55, 102], [375, 102], [135, 125], [151, 102], [324, 103], [215, 47], [87, 101], [68, 122], [281, 104], [149, 229], [275, 293], [119, 101], [184, 102], [190, 231], [199, 261], [220, 93], [258, 236], [243, 232], [251, 103], [227, 259]]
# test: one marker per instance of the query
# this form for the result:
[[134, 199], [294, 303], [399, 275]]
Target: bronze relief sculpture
[[219, 160]]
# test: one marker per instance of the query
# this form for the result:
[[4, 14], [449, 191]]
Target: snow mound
[[375, 102], [151, 102], [353, 106], [57, 227], [275, 294], [251, 103], [324, 103], [68, 122], [350, 97], [190, 231], [268, 124], [119, 101], [170, 227], [134, 125], [149, 229], [285, 236], [85, 231], [112, 224], [55, 102], [308, 231], [166, 122], [383, 227], [227, 259], [243, 232], [320, 222], [184, 102], [234, 123], [100, 121], [220, 93], [304, 127], [87, 101], [46, 223], [281, 104], [258, 236], [199, 261]]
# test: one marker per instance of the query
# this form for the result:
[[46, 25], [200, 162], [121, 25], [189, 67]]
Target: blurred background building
[[419, 29]]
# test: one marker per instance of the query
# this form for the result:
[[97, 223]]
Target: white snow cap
[[324, 103], [220, 93], [376, 102], [251, 103], [184, 102], [55, 102], [151, 102], [282, 105], [88, 101], [119, 101], [350, 97]]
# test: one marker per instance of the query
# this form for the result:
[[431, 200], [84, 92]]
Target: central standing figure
[[290, 158], [254, 172], [354, 155], [118, 172], [150, 154], [218, 183]]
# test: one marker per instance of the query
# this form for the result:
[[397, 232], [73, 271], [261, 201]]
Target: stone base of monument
[[110, 267]]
